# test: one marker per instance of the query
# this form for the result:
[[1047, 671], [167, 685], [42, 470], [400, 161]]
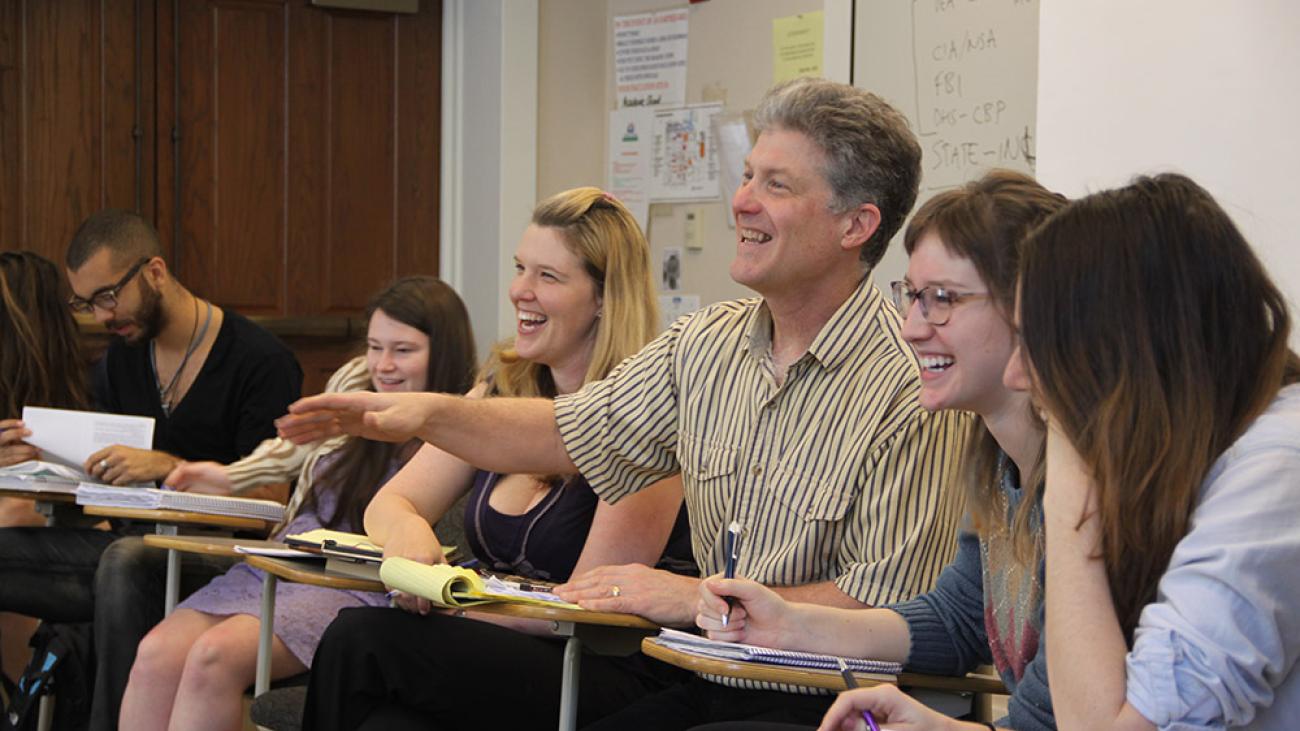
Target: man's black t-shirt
[[248, 380]]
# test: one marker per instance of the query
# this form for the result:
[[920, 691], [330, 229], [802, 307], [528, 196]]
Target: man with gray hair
[[793, 414]]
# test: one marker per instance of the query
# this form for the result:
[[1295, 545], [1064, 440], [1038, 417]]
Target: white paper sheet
[[70, 437]]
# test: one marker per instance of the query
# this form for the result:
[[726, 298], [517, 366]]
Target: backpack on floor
[[62, 664]]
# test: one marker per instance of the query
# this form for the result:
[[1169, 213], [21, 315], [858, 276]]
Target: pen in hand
[[732, 549], [850, 683]]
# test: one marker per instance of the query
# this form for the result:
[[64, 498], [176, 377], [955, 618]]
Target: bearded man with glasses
[[212, 381]]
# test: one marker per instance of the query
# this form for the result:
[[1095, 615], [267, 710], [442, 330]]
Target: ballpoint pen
[[732, 549], [850, 683]]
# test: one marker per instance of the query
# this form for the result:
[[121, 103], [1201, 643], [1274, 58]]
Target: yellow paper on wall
[[797, 46]]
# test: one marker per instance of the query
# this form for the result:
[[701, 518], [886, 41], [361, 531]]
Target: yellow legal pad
[[454, 586]]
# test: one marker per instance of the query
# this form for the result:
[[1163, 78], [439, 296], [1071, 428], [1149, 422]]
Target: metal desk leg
[[569, 684], [266, 632], [45, 713], [173, 570]]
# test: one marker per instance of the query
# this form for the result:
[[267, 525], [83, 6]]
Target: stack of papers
[[37, 476], [705, 647], [190, 502]]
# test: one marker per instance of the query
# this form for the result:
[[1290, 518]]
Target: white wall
[[1207, 88], [1203, 87], [489, 151]]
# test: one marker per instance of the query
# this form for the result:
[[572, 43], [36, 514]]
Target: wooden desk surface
[[208, 545], [828, 679], [43, 497], [178, 517], [309, 572]]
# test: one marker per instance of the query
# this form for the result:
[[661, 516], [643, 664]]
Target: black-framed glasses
[[936, 302], [105, 298]]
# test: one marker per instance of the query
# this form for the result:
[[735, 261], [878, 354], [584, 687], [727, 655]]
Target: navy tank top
[[545, 542]]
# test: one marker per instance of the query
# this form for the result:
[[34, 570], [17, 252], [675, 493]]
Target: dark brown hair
[[41, 361], [430, 306], [127, 235], [986, 221], [1155, 338]]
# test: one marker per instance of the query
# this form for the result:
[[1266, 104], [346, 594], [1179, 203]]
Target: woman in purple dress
[[192, 669]]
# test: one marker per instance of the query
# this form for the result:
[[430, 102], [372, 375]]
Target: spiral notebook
[[705, 647]]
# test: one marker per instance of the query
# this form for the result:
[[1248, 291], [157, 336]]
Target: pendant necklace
[[166, 393]]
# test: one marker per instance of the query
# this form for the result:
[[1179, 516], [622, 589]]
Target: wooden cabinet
[[288, 154]]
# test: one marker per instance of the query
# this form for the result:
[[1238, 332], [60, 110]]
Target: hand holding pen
[[887, 702]]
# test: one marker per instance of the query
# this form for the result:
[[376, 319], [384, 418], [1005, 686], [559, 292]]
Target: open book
[[705, 647], [190, 502], [455, 586]]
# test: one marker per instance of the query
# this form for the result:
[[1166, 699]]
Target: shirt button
[[757, 470]]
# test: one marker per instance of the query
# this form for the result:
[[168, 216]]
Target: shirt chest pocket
[[811, 497], [703, 461]]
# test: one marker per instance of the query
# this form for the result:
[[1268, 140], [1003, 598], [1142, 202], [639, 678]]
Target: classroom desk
[[811, 678], [168, 523], [45, 501], [604, 629]]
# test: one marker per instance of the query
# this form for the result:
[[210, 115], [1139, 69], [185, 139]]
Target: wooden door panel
[[360, 253], [68, 118], [419, 119], [309, 152], [231, 68]]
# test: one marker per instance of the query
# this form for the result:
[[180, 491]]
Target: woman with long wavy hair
[[1156, 344], [41, 361], [41, 364]]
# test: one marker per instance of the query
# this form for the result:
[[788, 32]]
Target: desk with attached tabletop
[[45, 500], [606, 629], [168, 523], [813, 678]]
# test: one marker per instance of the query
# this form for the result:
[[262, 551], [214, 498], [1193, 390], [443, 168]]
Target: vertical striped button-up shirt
[[837, 474]]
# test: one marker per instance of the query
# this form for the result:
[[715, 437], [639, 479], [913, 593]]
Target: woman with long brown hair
[[41, 361], [192, 669], [1157, 346], [41, 364]]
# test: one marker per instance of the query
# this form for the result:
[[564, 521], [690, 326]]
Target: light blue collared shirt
[[1218, 646]]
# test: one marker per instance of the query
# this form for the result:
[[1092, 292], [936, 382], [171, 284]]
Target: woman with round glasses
[[987, 607]]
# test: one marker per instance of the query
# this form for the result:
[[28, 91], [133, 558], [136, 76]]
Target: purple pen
[[850, 683]]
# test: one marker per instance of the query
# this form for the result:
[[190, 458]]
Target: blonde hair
[[600, 231]]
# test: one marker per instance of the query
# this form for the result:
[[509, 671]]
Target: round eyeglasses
[[936, 302]]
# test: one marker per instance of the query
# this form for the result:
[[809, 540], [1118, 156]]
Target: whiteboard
[[965, 72], [1201, 87]]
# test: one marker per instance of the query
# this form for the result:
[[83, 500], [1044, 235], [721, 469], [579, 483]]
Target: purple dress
[[302, 611]]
